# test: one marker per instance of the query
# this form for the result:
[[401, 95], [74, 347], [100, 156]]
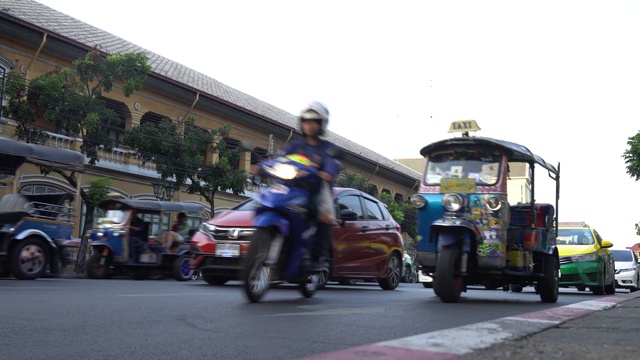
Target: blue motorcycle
[[284, 233]]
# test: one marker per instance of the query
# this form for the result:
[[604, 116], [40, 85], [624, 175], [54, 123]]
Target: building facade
[[35, 39]]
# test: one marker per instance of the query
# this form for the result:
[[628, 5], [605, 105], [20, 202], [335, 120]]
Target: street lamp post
[[164, 192]]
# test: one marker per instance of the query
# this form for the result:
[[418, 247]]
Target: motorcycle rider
[[314, 119]]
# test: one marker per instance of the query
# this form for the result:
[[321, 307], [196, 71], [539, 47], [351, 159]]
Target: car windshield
[[575, 237], [481, 165], [622, 255]]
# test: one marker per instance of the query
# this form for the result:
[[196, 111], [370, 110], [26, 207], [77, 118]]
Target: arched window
[[151, 117], [5, 66], [116, 133]]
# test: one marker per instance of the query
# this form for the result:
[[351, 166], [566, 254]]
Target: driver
[[314, 119]]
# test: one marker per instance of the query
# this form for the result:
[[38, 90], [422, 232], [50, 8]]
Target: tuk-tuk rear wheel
[[548, 286], [29, 259], [181, 270]]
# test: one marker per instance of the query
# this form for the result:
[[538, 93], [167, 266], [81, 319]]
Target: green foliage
[[70, 99], [631, 156], [392, 206], [99, 189], [353, 180], [179, 153]]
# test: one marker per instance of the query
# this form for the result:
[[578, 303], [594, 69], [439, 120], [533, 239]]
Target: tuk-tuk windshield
[[482, 165], [113, 217]]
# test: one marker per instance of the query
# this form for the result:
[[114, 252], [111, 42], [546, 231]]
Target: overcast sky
[[560, 77]]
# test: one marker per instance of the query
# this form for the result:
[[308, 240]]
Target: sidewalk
[[603, 328]]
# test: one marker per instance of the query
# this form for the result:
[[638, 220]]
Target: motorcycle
[[279, 248]]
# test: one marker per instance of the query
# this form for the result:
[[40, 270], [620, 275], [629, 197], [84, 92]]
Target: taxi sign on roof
[[573, 223], [463, 126]]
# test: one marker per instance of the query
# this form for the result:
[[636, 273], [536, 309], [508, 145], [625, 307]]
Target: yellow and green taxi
[[585, 259]]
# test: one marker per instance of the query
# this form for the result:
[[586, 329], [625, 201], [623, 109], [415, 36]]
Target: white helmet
[[316, 110]]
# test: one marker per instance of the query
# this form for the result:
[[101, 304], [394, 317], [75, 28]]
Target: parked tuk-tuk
[[111, 247], [470, 234], [35, 229]]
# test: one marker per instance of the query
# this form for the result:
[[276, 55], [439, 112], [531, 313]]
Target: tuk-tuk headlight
[[493, 203], [452, 202], [417, 201]]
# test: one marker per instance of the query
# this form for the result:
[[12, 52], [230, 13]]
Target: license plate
[[228, 250], [279, 189]]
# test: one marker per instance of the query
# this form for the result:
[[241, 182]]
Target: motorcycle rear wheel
[[256, 275]]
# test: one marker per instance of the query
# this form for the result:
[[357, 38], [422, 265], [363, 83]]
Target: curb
[[437, 345]]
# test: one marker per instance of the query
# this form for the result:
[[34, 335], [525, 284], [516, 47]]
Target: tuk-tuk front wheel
[[29, 259], [98, 266], [448, 280]]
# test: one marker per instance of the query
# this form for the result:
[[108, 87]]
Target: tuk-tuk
[[470, 234], [111, 247], [35, 229]]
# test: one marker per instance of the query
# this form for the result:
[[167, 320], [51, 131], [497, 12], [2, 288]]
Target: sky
[[559, 77]]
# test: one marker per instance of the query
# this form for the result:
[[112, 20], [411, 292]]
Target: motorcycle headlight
[[417, 201], [452, 202], [282, 171], [493, 203], [586, 257]]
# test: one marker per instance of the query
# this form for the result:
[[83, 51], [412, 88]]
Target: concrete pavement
[[603, 328]]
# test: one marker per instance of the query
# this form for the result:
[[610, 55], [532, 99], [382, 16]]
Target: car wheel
[[214, 280], [29, 259], [427, 285], [394, 273], [598, 289], [610, 288], [515, 288], [581, 288], [634, 287]]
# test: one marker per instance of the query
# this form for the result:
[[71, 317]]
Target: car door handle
[[364, 229]]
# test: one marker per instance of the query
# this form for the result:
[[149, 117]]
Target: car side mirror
[[606, 244], [348, 215]]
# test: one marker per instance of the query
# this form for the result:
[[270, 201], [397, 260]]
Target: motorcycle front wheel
[[256, 275]]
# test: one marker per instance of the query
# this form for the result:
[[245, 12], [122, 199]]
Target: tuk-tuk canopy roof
[[14, 153], [150, 205], [515, 152]]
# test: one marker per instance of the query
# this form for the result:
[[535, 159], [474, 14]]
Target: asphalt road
[[165, 319]]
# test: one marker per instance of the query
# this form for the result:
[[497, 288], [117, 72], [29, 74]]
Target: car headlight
[[452, 202], [626, 270], [586, 257], [417, 201]]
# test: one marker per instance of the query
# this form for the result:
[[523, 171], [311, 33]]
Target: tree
[[70, 99], [353, 180], [631, 156], [180, 152], [98, 190]]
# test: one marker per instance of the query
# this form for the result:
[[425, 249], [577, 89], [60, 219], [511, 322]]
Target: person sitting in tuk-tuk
[[179, 232], [137, 236]]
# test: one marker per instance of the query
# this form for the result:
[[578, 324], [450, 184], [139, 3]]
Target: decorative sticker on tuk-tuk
[[489, 250], [457, 185], [476, 213]]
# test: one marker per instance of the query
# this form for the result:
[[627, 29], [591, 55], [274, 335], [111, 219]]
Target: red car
[[366, 245]]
